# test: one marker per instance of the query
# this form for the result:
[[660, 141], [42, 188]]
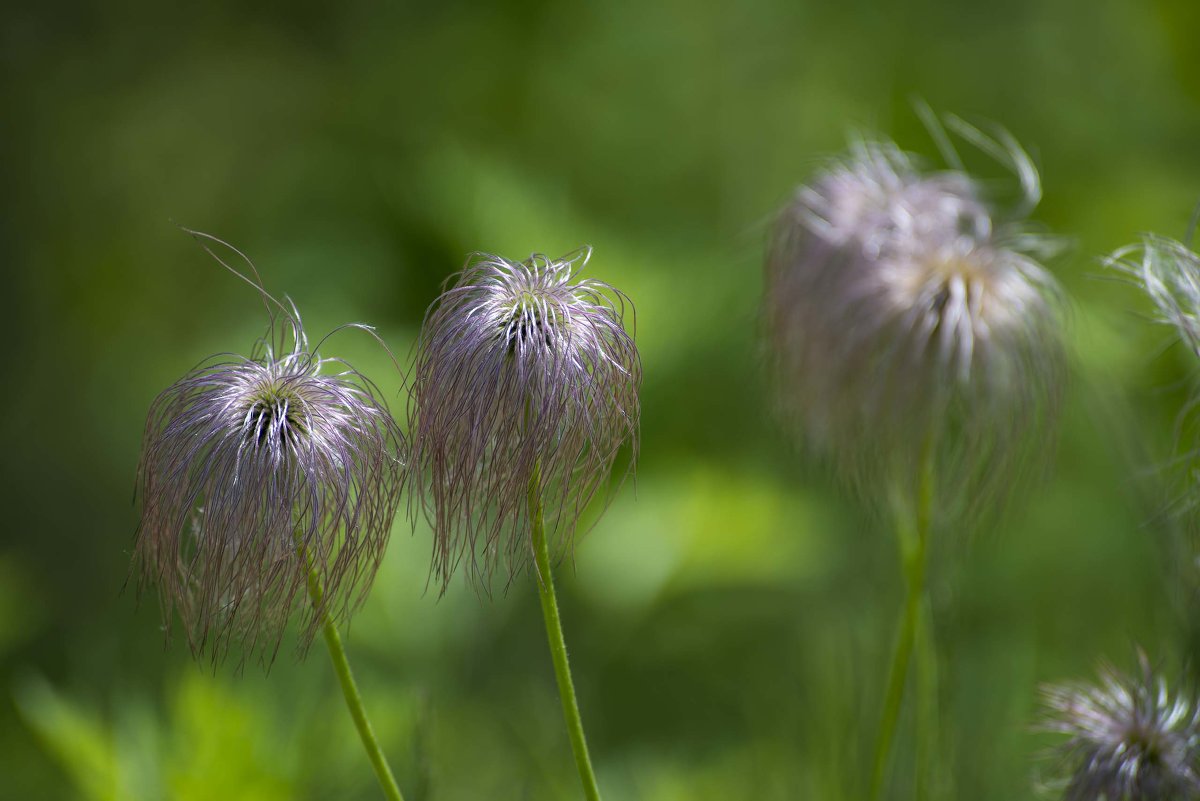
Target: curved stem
[[914, 538], [341, 666], [558, 646]]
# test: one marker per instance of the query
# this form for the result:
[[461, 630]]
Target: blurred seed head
[[523, 370], [1169, 273], [254, 467], [1130, 738], [903, 321]]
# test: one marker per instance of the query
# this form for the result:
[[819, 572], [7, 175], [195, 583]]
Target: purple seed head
[[255, 470], [1129, 738], [525, 377], [903, 321]]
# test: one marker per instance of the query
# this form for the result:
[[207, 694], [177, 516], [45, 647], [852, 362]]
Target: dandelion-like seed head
[[255, 471], [1169, 273], [1130, 738], [904, 322], [526, 381]]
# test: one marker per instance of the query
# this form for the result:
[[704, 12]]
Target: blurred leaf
[[225, 747], [81, 743], [215, 746]]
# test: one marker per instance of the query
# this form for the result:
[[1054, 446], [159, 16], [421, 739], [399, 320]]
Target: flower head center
[[532, 319], [274, 416], [1145, 740]]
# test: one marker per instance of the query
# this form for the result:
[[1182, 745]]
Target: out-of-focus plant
[[1168, 273], [1130, 738], [213, 746], [915, 344]]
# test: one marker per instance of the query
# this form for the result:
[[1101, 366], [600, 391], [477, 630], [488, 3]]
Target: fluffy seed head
[[525, 377], [1130, 739], [903, 321], [255, 469], [1169, 273]]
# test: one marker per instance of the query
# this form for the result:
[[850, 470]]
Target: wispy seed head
[[1130, 738], [903, 321], [254, 470], [525, 376], [1169, 272]]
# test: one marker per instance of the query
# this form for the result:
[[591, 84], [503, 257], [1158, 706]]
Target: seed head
[[1130, 739], [526, 381], [903, 322], [255, 471], [1169, 273]]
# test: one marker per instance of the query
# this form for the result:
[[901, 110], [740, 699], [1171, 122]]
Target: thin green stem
[[341, 666], [558, 646], [928, 722], [914, 538]]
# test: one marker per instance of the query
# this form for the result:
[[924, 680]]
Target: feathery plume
[[256, 471], [1169, 273], [1130, 739], [903, 322], [525, 376]]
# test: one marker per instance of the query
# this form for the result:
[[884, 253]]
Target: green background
[[730, 617]]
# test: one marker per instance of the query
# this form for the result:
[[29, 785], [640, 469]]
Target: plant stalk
[[929, 786], [558, 646], [914, 540], [341, 666]]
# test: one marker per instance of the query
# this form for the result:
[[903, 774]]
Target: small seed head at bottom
[[1129, 738]]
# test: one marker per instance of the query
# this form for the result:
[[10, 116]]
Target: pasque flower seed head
[[256, 470], [905, 323], [1169, 273], [1130, 738], [525, 377]]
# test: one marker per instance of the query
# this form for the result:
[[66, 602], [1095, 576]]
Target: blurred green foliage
[[730, 617]]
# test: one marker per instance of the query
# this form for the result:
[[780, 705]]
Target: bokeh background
[[730, 619]]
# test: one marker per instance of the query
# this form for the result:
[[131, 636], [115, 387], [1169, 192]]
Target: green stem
[[915, 544], [928, 723], [558, 646], [341, 666]]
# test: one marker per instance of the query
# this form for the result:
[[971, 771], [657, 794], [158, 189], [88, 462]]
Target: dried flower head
[[1130, 738], [525, 378], [1169, 272], [903, 322], [256, 470]]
